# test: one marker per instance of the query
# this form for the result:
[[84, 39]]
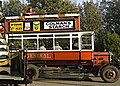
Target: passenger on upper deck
[[58, 47], [75, 44], [42, 46]]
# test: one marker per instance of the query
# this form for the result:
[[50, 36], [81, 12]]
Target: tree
[[13, 7], [52, 6], [92, 21], [91, 18], [111, 15], [112, 43], [111, 25]]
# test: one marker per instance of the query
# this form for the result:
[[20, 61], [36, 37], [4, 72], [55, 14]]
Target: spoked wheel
[[33, 72], [110, 74]]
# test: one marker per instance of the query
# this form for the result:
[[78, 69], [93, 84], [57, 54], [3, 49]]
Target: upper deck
[[43, 23]]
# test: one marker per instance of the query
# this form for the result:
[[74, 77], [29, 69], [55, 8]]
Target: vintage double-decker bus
[[55, 42]]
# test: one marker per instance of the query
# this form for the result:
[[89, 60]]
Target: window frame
[[53, 36]]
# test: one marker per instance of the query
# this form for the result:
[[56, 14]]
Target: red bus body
[[70, 58], [77, 46], [55, 58]]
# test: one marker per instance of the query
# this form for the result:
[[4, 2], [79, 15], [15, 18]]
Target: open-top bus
[[56, 41]]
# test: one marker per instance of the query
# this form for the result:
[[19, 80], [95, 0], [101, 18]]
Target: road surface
[[92, 81]]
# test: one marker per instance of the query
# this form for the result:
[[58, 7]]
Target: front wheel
[[110, 74]]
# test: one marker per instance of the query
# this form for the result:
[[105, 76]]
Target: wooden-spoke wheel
[[110, 73]]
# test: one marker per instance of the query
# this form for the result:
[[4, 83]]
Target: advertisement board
[[58, 25], [39, 25], [16, 26], [36, 26]]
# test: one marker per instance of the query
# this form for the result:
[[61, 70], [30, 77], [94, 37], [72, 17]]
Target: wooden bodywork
[[70, 21], [84, 54], [61, 58]]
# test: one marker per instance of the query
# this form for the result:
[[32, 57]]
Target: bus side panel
[[40, 56], [77, 23], [100, 58], [66, 55], [86, 55]]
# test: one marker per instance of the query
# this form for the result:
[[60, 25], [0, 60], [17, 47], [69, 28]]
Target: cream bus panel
[[3, 42]]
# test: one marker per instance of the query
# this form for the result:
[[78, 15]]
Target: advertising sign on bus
[[16, 26], [58, 25]]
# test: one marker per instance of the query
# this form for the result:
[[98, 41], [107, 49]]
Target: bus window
[[86, 41], [64, 43], [31, 44], [75, 44], [16, 44], [47, 43]]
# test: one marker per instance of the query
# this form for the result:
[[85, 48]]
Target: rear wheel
[[33, 72], [110, 73]]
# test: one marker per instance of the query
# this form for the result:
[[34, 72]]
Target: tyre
[[4, 73], [109, 74], [33, 72]]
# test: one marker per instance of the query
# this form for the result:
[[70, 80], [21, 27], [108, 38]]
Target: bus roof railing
[[43, 16]]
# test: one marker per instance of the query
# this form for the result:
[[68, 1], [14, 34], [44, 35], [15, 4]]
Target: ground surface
[[93, 81]]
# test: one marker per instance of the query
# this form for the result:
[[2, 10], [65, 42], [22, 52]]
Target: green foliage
[[53, 6], [112, 43], [111, 25], [91, 18], [112, 15], [13, 7], [99, 45]]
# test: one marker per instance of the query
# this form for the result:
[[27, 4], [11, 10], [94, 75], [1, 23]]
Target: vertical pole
[[0, 6], [1, 10], [25, 63], [2, 29]]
